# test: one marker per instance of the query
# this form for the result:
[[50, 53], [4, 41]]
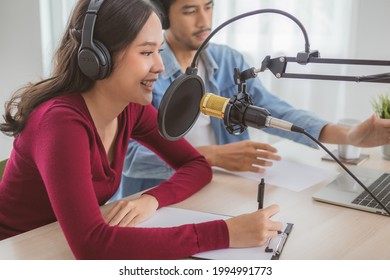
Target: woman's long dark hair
[[117, 24]]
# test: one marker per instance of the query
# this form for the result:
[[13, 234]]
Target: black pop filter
[[179, 107]]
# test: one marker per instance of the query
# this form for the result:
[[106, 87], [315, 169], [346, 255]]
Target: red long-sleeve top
[[58, 170]]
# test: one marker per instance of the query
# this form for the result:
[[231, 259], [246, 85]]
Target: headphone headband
[[94, 6], [94, 59]]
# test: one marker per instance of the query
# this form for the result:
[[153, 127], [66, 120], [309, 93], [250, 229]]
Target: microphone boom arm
[[191, 69], [278, 67]]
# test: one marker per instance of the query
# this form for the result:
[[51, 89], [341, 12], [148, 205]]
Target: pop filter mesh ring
[[176, 116]]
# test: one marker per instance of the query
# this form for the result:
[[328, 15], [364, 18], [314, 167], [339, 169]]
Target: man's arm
[[370, 133]]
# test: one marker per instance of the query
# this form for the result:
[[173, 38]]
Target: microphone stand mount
[[278, 67]]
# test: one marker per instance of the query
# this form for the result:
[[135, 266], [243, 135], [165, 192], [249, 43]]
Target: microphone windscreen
[[213, 105], [179, 107]]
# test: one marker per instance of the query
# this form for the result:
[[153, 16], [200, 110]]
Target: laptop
[[345, 191]]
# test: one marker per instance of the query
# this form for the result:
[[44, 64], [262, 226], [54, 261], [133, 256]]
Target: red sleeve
[[192, 170], [63, 153]]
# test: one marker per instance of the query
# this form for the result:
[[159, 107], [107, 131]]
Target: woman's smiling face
[[138, 65]]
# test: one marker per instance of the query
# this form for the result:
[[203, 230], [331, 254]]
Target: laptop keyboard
[[381, 189]]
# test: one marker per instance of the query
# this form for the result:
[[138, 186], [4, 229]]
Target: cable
[[347, 170]]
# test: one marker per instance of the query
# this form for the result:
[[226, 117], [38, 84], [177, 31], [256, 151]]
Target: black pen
[[260, 194]]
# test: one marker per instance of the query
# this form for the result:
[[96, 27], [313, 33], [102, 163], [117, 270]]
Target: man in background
[[187, 24]]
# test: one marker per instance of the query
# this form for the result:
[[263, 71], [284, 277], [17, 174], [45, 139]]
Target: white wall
[[371, 41], [21, 57], [20, 52], [367, 39], [362, 35]]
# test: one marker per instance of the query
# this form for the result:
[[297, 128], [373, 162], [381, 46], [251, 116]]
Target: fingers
[[263, 146], [126, 213], [270, 228], [254, 165], [129, 220], [253, 168], [253, 229], [275, 228], [243, 156], [266, 155], [261, 155], [270, 210], [108, 216], [259, 162], [122, 214], [268, 213]]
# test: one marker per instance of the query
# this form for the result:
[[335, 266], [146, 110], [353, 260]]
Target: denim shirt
[[219, 62]]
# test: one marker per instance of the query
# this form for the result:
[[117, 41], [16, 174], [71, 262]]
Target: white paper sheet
[[289, 174]]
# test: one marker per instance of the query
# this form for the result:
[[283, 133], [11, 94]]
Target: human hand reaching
[[240, 156], [370, 133]]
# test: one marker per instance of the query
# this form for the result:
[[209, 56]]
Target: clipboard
[[170, 216], [281, 242], [270, 251]]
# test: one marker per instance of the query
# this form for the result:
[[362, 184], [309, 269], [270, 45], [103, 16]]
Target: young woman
[[71, 134]]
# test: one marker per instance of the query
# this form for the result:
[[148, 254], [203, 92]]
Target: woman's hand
[[253, 229], [128, 213]]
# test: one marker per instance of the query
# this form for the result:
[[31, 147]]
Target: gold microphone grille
[[213, 105]]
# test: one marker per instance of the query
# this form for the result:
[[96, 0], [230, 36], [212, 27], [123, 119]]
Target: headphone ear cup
[[105, 63], [163, 13], [95, 63], [165, 22], [88, 63]]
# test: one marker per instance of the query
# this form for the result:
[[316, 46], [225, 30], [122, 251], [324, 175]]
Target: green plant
[[382, 106]]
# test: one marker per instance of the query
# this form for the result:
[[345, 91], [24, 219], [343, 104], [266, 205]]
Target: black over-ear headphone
[[164, 13], [93, 57]]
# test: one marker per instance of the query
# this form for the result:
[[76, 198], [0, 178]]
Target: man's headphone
[[164, 13], [94, 59]]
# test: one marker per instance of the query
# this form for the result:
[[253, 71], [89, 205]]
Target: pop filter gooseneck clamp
[[174, 120]]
